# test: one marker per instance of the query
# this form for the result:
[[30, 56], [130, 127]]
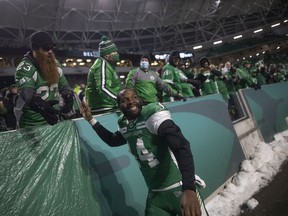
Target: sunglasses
[[48, 48]]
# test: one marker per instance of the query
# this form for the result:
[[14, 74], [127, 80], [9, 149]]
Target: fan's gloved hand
[[45, 108], [68, 99]]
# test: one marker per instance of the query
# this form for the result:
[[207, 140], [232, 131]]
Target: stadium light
[[197, 47], [258, 30], [277, 24], [217, 42], [237, 37]]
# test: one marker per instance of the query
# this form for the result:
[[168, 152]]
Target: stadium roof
[[154, 26]]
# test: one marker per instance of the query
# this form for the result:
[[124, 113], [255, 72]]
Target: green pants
[[164, 203]]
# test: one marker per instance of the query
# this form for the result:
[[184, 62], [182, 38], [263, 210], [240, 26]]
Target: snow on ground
[[254, 174]]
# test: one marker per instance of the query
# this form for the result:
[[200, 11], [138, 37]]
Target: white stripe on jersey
[[35, 75], [156, 120], [60, 71], [140, 125], [103, 81]]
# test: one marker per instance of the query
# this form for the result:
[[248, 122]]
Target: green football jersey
[[28, 76], [157, 163]]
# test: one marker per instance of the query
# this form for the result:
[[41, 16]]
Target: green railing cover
[[43, 172]]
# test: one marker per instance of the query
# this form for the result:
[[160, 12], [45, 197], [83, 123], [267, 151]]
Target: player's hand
[[189, 204], [85, 111]]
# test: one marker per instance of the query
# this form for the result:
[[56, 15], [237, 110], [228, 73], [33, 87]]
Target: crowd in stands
[[176, 80], [8, 96]]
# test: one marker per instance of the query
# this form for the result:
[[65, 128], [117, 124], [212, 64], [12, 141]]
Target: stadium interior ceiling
[[151, 26]]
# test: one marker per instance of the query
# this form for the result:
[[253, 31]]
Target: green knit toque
[[106, 46]]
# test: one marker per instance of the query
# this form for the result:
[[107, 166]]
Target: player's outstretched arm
[[112, 139]]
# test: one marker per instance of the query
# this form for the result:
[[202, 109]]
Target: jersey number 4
[[145, 155]]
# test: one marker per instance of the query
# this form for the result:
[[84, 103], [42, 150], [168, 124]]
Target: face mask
[[144, 65], [115, 57]]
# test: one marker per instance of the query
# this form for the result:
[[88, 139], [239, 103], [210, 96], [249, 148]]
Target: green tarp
[[43, 172]]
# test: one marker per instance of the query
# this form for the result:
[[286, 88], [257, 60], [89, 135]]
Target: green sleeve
[[24, 75], [169, 76], [130, 80]]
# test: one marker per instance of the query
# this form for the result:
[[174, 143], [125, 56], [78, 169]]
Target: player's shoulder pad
[[152, 108]]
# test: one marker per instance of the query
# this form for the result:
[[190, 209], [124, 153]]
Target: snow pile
[[253, 175]]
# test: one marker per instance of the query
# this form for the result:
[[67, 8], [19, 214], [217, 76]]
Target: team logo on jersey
[[130, 125], [166, 72], [177, 193], [150, 195]]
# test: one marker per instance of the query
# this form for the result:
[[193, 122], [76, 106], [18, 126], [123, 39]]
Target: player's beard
[[48, 67]]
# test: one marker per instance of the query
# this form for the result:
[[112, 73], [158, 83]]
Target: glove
[[45, 108], [195, 83], [68, 102]]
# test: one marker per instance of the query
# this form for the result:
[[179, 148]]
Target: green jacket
[[186, 87], [245, 78], [103, 85], [147, 84], [209, 86], [169, 76]]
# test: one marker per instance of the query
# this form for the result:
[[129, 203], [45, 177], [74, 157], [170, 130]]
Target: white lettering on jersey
[[144, 155], [20, 65], [24, 80], [46, 90], [27, 67]]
